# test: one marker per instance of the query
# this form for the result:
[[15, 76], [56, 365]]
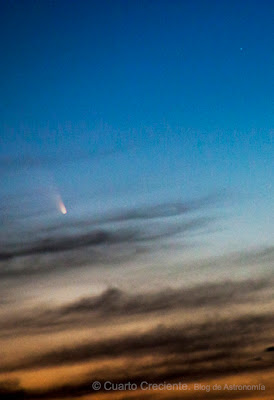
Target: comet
[[61, 205]]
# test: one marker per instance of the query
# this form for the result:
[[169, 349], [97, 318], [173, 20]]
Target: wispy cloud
[[213, 349], [242, 335], [115, 303], [137, 229]]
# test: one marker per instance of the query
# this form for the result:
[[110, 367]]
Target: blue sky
[[151, 123], [178, 92]]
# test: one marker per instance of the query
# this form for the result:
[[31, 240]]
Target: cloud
[[84, 388], [54, 245], [135, 214], [216, 348], [164, 210], [12, 390], [114, 303], [137, 229], [185, 355], [104, 237], [228, 336]]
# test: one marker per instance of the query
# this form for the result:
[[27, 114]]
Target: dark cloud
[[171, 368], [188, 354], [114, 303], [260, 255], [133, 215], [235, 335], [213, 349], [104, 237], [138, 229], [156, 211], [84, 389], [52, 245], [12, 390]]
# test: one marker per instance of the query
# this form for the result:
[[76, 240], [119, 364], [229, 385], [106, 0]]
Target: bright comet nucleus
[[61, 206]]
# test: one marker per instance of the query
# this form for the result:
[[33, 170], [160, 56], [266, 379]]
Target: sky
[[136, 197]]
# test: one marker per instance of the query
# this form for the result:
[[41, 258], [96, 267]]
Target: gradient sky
[[182, 90], [152, 122]]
